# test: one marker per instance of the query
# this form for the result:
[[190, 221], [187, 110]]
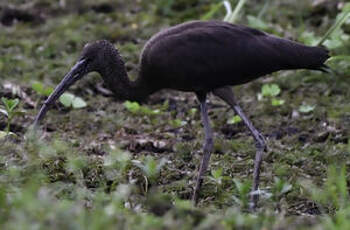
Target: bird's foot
[[260, 142], [254, 197]]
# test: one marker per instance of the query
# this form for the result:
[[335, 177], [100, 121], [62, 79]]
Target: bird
[[202, 57]]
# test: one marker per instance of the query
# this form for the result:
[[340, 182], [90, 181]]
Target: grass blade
[[234, 15], [345, 15], [228, 8]]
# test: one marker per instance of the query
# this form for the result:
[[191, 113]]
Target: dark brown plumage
[[200, 57]]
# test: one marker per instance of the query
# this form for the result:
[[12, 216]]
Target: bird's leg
[[208, 145], [226, 94]]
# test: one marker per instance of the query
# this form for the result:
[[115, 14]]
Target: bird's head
[[90, 60], [94, 54]]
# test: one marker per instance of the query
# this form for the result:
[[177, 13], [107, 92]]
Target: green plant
[[39, 88], [257, 23], [336, 38], [271, 91], [10, 112], [150, 168], [136, 108], [216, 177], [333, 198], [243, 189], [176, 123], [234, 120], [116, 164], [279, 189], [306, 108], [67, 99], [70, 100], [340, 20], [334, 193]]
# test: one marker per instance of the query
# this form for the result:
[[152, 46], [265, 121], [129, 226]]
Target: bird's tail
[[294, 55], [314, 58]]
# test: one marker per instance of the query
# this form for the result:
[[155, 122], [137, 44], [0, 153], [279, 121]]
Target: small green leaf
[[257, 23], [235, 119], [150, 167], [41, 89], [192, 111], [10, 104], [47, 91], [277, 102], [66, 99], [133, 107], [13, 103], [309, 38], [165, 105], [176, 123], [333, 43], [306, 108], [78, 103], [69, 99], [136, 108], [38, 87], [271, 90], [216, 173], [5, 102]]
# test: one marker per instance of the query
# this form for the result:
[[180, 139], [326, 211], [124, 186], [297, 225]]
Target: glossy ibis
[[200, 57]]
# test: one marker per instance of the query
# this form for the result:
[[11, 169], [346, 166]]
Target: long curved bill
[[69, 79]]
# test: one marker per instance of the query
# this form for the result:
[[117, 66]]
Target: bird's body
[[204, 55], [200, 57]]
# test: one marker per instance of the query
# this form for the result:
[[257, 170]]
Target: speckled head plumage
[[95, 53]]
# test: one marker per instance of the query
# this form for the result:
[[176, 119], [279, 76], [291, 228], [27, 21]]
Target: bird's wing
[[196, 53]]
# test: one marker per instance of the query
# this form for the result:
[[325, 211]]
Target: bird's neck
[[115, 76]]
